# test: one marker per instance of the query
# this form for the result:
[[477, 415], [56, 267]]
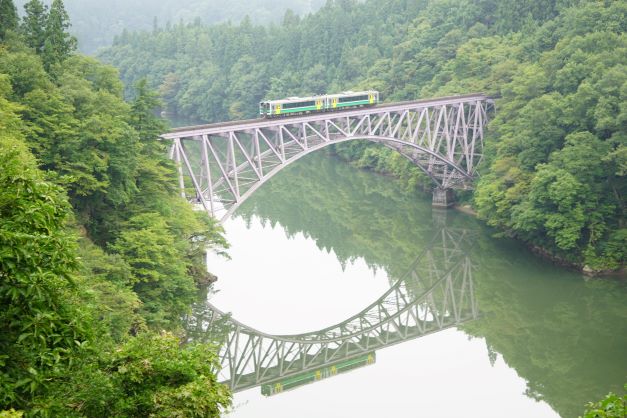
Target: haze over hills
[[101, 258], [95, 23]]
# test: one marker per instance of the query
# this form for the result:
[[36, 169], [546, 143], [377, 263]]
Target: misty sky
[[96, 22]]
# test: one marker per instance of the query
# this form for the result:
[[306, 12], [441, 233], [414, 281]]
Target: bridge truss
[[221, 165], [435, 294]]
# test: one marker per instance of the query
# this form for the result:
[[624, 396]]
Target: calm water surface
[[322, 241]]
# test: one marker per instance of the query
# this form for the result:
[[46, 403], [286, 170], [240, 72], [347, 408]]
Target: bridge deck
[[214, 128]]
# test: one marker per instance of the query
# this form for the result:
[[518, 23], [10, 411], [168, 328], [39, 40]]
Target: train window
[[353, 99], [298, 104]]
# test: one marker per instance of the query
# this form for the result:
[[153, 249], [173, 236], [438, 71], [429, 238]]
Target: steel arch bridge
[[435, 294], [221, 165]]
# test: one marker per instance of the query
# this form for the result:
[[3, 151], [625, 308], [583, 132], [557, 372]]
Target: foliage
[[11, 413], [554, 175], [117, 307], [106, 154], [149, 375], [59, 43], [96, 23], [40, 326], [34, 24], [76, 289], [8, 17], [47, 32], [150, 249], [612, 406], [554, 179]]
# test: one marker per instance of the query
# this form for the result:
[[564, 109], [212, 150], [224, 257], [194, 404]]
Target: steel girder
[[435, 294], [220, 166]]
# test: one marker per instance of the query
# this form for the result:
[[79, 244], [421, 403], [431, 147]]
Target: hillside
[[99, 256], [96, 23], [555, 156]]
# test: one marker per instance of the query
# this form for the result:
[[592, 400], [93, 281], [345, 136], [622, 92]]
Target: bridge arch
[[407, 150], [224, 164], [435, 293]]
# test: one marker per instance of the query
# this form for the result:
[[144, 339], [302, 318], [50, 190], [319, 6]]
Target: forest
[[555, 160], [96, 23], [99, 256]]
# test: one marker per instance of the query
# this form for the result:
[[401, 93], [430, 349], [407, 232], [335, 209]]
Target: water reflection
[[563, 335], [436, 293]]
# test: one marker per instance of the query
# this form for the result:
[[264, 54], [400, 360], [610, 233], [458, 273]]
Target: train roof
[[312, 98], [352, 93], [295, 99]]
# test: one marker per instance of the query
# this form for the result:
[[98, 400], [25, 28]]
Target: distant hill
[[95, 22]]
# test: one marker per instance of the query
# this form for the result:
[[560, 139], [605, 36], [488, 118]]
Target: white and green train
[[324, 103]]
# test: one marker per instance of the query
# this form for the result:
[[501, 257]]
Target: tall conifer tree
[[8, 17], [59, 44], [34, 24], [143, 117]]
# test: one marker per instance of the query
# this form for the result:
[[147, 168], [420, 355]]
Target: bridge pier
[[443, 198]]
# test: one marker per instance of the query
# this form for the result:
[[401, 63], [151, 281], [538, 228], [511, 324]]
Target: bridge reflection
[[435, 293]]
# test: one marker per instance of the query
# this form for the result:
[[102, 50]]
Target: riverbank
[[467, 209], [559, 261], [537, 250]]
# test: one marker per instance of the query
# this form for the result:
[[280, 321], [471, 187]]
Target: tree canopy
[[555, 154], [95, 23], [84, 181]]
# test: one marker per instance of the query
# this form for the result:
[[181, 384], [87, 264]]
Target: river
[[322, 241]]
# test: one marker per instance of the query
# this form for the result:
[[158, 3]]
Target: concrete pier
[[443, 198]]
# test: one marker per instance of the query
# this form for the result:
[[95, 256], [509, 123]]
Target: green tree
[[8, 17], [168, 90], [41, 326], [195, 232], [34, 25], [65, 319], [612, 406], [159, 270], [59, 44], [143, 117], [149, 375]]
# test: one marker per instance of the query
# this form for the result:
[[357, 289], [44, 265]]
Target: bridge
[[435, 294], [221, 165]]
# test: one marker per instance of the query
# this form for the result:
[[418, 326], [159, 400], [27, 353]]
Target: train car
[[282, 385], [352, 99], [329, 102], [291, 106]]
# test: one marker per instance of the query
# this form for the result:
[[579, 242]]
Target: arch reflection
[[435, 293]]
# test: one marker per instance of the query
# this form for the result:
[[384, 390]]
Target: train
[[311, 376], [293, 106]]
